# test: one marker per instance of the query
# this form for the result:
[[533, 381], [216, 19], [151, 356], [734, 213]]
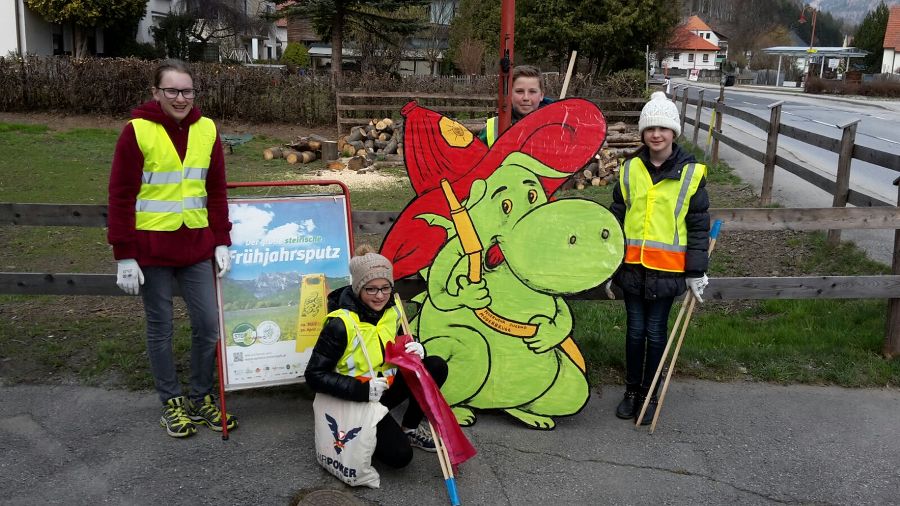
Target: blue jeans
[[645, 338], [198, 290]]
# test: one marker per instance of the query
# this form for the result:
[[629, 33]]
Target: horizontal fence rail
[[379, 223], [390, 103]]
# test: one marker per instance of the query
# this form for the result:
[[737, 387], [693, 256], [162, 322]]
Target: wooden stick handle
[[662, 362], [665, 387]]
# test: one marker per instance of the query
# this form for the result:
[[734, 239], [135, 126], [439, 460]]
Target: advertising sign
[[287, 254], [694, 75]]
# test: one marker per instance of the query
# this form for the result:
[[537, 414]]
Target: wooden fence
[[357, 108], [378, 222]]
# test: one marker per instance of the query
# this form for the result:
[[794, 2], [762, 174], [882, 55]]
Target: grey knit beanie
[[365, 268], [660, 112]]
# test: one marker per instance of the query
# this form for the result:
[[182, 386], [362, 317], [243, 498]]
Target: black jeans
[[392, 447], [645, 338]]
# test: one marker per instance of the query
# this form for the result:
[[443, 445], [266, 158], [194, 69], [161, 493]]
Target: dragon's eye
[[506, 205], [532, 196]]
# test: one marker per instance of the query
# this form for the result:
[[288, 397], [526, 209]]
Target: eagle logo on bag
[[340, 438]]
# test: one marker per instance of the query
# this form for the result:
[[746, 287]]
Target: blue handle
[[714, 233], [451, 490]]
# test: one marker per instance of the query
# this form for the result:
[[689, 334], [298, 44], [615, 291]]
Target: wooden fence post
[[842, 179], [337, 107], [719, 108], [697, 117], [892, 330], [765, 194], [684, 100]]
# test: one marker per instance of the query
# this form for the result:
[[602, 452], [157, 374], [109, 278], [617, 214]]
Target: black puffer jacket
[[320, 371], [650, 283]]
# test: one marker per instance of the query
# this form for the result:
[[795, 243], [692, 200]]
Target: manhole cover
[[329, 497]]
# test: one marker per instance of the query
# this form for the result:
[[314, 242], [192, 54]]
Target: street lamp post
[[812, 38]]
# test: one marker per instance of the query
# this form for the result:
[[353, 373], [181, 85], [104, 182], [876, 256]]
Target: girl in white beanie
[[337, 366], [662, 203]]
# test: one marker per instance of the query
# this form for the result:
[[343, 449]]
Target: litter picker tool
[[680, 328], [443, 456]]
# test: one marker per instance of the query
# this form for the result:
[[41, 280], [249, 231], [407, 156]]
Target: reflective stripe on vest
[[173, 192], [492, 132], [373, 337], [655, 228]]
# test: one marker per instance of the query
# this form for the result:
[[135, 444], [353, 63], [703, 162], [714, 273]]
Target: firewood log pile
[[622, 141], [378, 137], [302, 150]]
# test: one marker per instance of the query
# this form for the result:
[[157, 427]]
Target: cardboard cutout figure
[[498, 254]]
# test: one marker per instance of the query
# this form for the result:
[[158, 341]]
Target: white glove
[[129, 276], [223, 260], [696, 285], [609, 291], [415, 348], [377, 387]]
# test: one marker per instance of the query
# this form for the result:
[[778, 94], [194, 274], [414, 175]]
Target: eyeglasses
[[172, 93], [372, 290]]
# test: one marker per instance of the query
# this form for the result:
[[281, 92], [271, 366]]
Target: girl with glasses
[[168, 220], [338, 366]]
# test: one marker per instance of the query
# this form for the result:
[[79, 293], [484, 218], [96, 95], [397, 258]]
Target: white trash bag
[[345, 438]]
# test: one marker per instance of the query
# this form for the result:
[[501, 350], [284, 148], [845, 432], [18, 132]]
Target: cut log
[[380, 144], [387, 164], [348, 150], [273, 152], [336, 165], [314, 145], [357, 145], [301, 144], [329, 150], [307, 156], [392, 146], [356, 134], [361, 152], [596, 181], [356, 163], [369, 144], [291, 156]]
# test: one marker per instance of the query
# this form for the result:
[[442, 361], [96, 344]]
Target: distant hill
[[852, 11]]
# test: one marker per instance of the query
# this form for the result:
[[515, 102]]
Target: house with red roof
[[693, 45], [890, 61]]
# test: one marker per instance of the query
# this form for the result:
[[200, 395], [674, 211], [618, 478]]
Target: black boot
[[651, 407], [628, 408]]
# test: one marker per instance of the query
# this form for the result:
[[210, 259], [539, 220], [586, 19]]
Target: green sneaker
[[175, 420], [207, 413]]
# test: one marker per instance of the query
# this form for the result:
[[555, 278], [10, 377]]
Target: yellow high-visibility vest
[[173, 192], [655, 229], [373, 337], [492, 130]]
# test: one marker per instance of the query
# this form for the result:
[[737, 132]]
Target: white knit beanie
[[365, 268], [660, 112]]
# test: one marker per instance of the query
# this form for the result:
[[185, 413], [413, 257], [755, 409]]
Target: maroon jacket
[[179, 248]]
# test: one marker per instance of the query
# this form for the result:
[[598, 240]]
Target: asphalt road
[[790, 190], [716, 443], [878, 128]]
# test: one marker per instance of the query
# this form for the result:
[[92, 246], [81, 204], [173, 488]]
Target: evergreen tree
[[870, 36], [331, 18]]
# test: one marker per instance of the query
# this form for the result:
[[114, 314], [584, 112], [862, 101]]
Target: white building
[[890, 61], [694, 45], [22, 32]]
